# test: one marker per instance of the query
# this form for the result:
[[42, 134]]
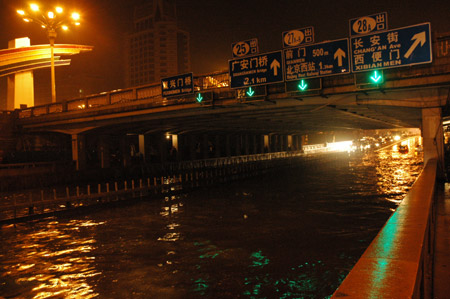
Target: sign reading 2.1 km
[[256, 70], [394, 48], [318, 60]]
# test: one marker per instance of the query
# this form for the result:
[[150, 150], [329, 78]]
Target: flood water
[[294, 233]]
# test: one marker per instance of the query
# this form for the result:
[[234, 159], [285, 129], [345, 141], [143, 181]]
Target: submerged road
[[292, 233]]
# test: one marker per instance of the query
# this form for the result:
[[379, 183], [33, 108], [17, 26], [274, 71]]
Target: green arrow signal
[[375, 78], [199, 98], [250, 92], [303, 85]]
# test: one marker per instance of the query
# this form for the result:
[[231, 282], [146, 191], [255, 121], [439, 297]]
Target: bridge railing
[[398, 262]]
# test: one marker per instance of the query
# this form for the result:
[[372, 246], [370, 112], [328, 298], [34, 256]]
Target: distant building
[[157, 48]]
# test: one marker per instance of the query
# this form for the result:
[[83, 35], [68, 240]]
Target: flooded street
[[294, 233]]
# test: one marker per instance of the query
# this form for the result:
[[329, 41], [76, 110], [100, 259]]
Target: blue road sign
[[256, 70], [318, 60], [246, 47], [369, 24], [394, 48], [177, 85], [298, 37]]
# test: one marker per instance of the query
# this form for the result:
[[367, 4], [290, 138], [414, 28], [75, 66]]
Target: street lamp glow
[[34, 7], [51, 22], [75, 16]]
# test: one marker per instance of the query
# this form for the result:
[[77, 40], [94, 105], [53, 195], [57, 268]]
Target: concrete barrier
[[398, 262]]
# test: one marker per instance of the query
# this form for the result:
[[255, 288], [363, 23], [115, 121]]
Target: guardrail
[[190, 174], [398, 262]]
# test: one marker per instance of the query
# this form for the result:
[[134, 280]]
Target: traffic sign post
[[256, 70], [369, 24], [394, 48], [177, 85], [318, 60], [243, 48]]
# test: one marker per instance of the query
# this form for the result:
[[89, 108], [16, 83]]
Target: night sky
[[213, 26]]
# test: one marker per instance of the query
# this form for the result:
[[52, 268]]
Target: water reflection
[[395, 177], [291, 234], [52, 262]]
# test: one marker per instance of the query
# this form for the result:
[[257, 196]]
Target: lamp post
[[53, 20]]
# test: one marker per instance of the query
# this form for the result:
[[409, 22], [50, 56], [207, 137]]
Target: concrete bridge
[[140, 120]]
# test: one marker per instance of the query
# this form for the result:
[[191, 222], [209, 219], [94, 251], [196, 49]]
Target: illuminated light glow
[[303, 86], [167, 136], [396, 137], [250, 92], [77, 23], [375, 77], [51, 14], [27, 20], [34, 7], [75, 16], [340, 146], [64, 27], [199, 98], [59, 9], [21, 12]]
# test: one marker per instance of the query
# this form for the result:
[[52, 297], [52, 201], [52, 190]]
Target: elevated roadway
[[410, 97]]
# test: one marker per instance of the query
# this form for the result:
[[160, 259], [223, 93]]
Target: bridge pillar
[[283, 145], [104, 151], [205, 146], [246, 144], [228, 145], [79, 151], [433, 136], [20, 85], [142, 146], [217, 146], [237, 145], [192, 147], [265, 145], [254, 144]]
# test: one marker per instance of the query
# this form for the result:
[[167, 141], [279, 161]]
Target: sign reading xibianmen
[[393, 48]]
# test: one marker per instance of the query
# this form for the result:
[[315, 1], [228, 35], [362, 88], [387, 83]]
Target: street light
[[53, 20]]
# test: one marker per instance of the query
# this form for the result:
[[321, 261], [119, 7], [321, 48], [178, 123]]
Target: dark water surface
[[294, 233]]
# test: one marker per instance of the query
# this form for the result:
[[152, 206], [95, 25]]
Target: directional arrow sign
[[318, 60], [275, 65], [394, 48], [250, 92], [302, 85], [339, 54], [419, 38], [375, 77], [256, 70], [199, 98]]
